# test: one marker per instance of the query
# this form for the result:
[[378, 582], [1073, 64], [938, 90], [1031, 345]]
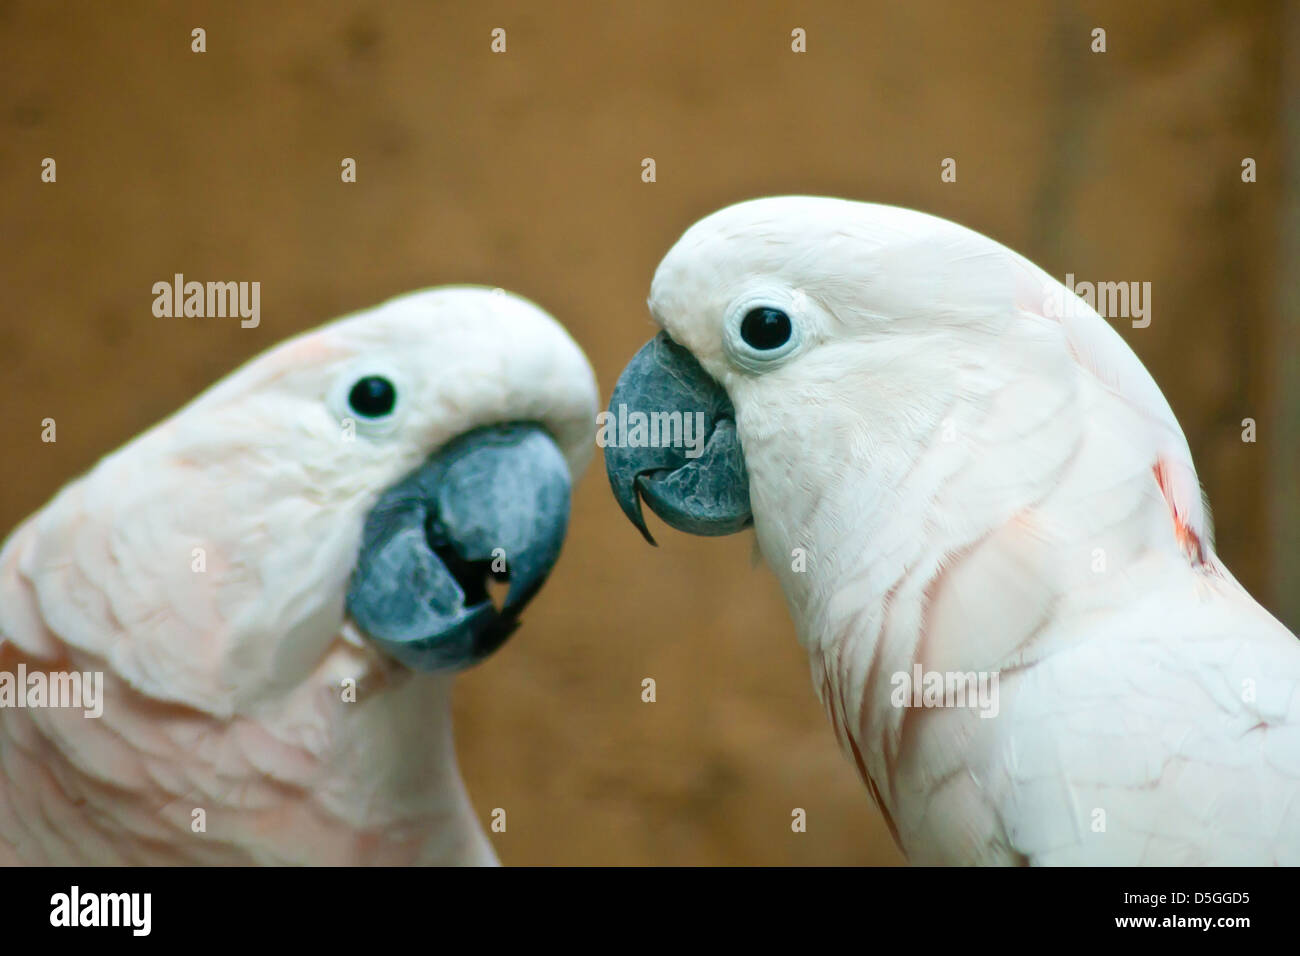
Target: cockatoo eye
[[373, 397], [765, 328]]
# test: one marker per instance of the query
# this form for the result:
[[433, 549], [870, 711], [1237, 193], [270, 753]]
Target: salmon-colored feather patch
[[1188, 539]]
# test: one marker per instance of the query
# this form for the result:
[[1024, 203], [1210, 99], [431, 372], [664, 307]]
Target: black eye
[[765, 328], [372, 397]]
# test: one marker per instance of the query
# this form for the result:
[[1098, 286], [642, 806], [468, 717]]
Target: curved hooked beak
[[676, 445], [493, 502]]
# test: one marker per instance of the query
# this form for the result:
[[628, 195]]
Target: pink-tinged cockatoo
[[278, 583], [958, 471]]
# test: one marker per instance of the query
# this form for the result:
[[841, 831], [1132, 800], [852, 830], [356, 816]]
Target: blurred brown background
[[523, 170]]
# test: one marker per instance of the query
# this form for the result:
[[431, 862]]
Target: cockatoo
[[277, 584], [965, 480]]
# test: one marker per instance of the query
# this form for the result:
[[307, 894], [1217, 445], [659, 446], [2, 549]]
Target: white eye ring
[[340, 391], [790, 301]]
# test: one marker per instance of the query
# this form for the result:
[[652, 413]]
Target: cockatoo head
[[274, 564], [826, 339], [366, 478]]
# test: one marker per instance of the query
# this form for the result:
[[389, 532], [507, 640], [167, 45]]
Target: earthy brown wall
[[523, 170]]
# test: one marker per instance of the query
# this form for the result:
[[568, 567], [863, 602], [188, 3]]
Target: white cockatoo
[[989, 532], [277, 584]]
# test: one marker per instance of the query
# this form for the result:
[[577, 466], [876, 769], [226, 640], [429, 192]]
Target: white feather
[[224, 686], [982, 486]]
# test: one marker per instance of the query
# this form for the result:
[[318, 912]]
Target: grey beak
[[708, 494], [492, 502]]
